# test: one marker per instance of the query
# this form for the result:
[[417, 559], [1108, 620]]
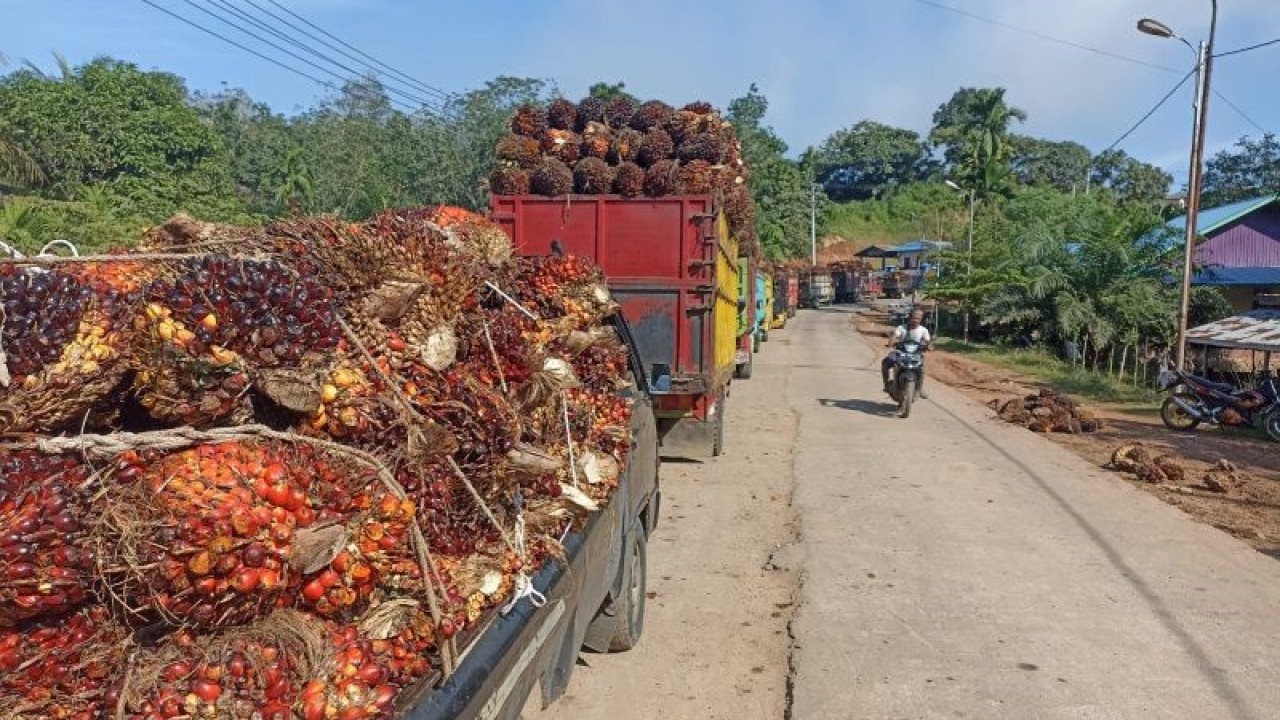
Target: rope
[[488, 338], [511, 300], [524, 588], [568, 438]]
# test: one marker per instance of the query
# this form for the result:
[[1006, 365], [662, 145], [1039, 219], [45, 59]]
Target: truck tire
[[717, 442], [755, 342], [743, 371], [627, 610]]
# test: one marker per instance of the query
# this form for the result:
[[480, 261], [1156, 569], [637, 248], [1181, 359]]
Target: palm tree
[[17, 168], [295, 186]]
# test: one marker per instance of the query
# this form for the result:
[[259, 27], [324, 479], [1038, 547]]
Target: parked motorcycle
[[1194, 400], [905, 375]]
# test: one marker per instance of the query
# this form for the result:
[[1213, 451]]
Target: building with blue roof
[[1239, 250]]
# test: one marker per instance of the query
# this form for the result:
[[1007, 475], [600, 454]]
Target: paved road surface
[[953, 567]]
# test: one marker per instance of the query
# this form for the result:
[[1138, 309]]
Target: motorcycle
[[1194, 400], [905, 376]]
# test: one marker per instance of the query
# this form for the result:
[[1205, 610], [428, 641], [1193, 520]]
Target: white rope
[[568, 438], [511, 300], [523, 583], [44, 251], [497, 362]]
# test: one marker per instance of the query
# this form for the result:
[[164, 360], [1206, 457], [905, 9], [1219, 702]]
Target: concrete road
[[951, 567], [958, 567]]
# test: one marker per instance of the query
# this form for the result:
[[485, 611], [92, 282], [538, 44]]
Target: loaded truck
[[747, 337], [781, 311], [672, 266], [815, 288], [764, 306]]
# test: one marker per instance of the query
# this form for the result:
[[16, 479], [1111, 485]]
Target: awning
[[1254, 330], [875, 251]]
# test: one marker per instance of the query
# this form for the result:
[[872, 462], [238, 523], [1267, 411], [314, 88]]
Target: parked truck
[[815, 288], [764, 305], [673, 267], [747, 324], [779, 299]]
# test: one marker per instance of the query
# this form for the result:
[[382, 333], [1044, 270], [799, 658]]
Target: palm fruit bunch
[[259, 671], [212, 326], [510, 181], [552, 177], [63, 346], [656, 147], [519, 150], [628, 181], [590, 109], [64, 669], [592, 176], [697, 177], [597, 141], [619, 111], [651, 114], [662, 178], [214, 535], [562, 114], [46, 560], [625, 147], [529, 120]]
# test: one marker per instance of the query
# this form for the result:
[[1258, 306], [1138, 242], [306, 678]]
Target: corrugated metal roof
[[1227, 276], [1214, 218], [875, 251], [915, 246], [1254, 330]]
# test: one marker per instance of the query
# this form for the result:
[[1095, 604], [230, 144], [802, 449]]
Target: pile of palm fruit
[[273, 473], [619, 146], [1047, 411]]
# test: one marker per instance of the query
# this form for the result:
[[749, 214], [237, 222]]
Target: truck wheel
[[755, 342], [717, 442], [629, 608], [743, 371]]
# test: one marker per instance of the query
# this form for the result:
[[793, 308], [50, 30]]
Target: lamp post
[[969, 252], [1204, 68]]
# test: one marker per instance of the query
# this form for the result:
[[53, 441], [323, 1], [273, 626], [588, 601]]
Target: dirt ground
[[1249, 508]]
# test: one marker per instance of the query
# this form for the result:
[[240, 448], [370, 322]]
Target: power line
[[303, 46], [288, 52], [1240, 112], [1151, 112], [251, 51], [444, 95], [1247, 49], [1043, 36]]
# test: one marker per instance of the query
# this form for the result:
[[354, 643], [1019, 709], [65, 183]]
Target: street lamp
[[969, 258], [1204, 68]]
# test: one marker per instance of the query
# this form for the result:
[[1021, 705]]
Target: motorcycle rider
[[914, 331]]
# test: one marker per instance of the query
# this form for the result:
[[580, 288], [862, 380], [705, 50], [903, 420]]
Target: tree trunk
[[1124, 358]]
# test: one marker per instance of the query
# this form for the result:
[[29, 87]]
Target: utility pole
[[813, 224], [1194, 184]]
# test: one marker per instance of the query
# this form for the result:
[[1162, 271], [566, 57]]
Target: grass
[[1065, 377]]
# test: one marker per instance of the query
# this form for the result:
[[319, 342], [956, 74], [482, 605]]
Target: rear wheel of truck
[[743, 370], [629, 608]]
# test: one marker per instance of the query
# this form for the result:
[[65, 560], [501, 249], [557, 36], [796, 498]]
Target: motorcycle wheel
[[1271, 423], [1174, 417], [908, 393]]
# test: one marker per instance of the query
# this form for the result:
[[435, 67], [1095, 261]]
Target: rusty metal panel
[[1255, 330]]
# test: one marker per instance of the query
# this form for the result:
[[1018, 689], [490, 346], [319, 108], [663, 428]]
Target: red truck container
[[672, 267]]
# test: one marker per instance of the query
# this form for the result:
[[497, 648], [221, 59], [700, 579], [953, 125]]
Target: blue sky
[[823, 64]]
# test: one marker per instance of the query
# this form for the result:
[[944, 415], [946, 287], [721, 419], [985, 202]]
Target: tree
[[1130, 179], [611, 91], [294, 182], [972, 128], [17, 168], [780, 187], [868, 159], [257, 142], [132, 132], [1045, 163], [1251, 170]]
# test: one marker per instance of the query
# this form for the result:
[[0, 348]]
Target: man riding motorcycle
[[916, 332]]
